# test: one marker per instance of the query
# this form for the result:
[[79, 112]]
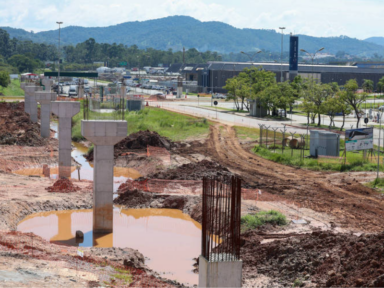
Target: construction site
[[126, 208]]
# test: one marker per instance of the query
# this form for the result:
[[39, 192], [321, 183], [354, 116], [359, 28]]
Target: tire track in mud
[[354, 206]]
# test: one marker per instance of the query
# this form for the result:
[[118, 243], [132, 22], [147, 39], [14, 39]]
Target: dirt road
[[354, 206]]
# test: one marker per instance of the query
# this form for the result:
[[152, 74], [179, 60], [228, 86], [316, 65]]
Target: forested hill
[[178, 31], [376, 40]]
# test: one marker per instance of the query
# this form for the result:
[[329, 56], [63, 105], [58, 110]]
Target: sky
[[354, 18]]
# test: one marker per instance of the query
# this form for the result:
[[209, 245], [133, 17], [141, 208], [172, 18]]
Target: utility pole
[[183, 55], [281, 57], [138, 59], [58, 73]]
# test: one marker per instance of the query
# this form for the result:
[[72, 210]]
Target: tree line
[[315, 98], [19, 56]]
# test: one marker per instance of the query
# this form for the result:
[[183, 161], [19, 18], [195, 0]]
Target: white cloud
[[355, 18]]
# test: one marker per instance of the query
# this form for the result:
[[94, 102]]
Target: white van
[[73, 91]]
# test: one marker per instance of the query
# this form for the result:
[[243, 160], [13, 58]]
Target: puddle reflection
[[168, 237]]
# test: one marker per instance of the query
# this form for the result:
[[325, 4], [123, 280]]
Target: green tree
[[234, 86], [4, 79], [368, 86], [380, 85], [353, 98], [23, 63], [278, 95]]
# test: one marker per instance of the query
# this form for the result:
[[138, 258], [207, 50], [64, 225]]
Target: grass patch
[[377, 183], [354, 161], [246, 133], [252, 221], [169, 124], [322, 126], [123, 275], [13, 89]]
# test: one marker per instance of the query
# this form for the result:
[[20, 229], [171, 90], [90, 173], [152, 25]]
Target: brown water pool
[[169, 238]]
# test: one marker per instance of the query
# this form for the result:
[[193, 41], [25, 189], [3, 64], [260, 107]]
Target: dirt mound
[[134, 198], [64, 186], [323, 258], [16, 128], [139, 140], [156, 98], [194, 171]]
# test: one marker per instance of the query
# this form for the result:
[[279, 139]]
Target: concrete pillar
[[65, 110], [220, 274], [30, 105], [47, 83], [45, 99], [104, 135]]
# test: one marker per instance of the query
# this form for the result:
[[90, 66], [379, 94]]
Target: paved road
[[191, 108]]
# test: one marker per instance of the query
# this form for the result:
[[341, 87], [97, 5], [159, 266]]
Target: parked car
[[219, 96]]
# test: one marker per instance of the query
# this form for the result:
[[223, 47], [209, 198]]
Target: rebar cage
[[221, 219], [104, 107]]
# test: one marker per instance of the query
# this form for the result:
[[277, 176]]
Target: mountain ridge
[[176, 32]]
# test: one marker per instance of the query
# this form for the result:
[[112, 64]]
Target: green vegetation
[[175, 126], [13, 89], [123, 275], [377, 183], [298, 282], [322, 126], [252, 221], [290, 157]]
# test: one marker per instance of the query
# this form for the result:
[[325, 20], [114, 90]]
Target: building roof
[[303, 68]]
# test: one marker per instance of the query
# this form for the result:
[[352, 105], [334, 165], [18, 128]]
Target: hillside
[[178, 31], [376, 40]]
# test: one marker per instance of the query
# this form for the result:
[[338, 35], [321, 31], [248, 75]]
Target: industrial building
[[212, 76]]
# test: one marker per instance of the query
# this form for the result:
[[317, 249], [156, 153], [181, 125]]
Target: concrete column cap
[[45, 96], [104, 132], [65, 108]]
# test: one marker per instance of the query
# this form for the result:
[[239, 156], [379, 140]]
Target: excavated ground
[[139, 141], [320, 259], [353, 206], [272, 257], [16, 128]]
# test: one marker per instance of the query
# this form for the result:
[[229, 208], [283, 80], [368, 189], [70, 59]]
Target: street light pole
[[251, 59], [138, 57], [281, 57], [58, 73], [312, 57]]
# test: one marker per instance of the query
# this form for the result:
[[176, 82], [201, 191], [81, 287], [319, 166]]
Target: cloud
[[316, 18]]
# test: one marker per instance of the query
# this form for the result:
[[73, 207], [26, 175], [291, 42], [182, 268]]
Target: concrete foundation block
[[220, 274]]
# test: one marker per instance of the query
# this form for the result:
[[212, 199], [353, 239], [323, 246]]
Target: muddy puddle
[[86, 171], [169, 238]]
